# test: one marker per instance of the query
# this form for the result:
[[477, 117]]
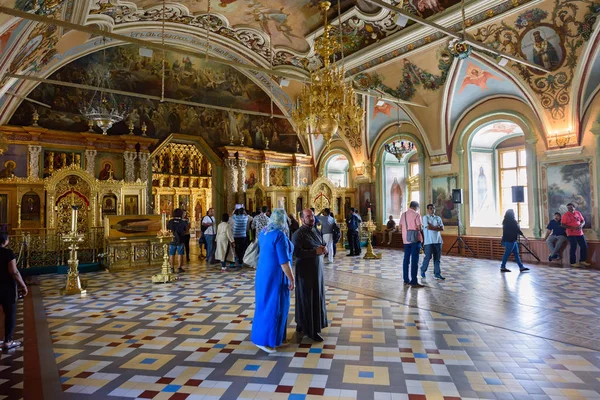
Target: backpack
[[336, 232]]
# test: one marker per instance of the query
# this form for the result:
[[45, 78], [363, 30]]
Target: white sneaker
[[266, 349]]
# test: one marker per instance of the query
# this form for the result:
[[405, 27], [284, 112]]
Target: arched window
[[400, 183], [336, 169], [497, 163]]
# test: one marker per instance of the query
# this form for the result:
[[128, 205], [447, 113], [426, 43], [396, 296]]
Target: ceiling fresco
[[551, 36], [288, 23], [188, 79], [474, 82]]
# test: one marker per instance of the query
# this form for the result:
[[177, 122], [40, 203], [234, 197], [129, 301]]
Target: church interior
[[114, 114]]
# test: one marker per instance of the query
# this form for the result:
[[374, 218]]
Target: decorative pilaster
[[129, 157], [144, 159], [530, 151], [596, 131], [296, 176], [242, 175], [231, 165], [90, 161], [34, 161], [267, 175]]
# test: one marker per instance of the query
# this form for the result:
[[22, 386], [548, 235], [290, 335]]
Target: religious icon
[[109, 204], [131, 205], [106, 173], [9, 169], [30, 207], [396, 196], [543, 46]]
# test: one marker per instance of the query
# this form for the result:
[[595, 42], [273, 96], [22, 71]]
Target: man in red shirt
[[573, 222]]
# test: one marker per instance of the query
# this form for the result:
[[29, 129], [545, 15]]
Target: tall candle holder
[[165, 237], [370, 227], [74, 284]]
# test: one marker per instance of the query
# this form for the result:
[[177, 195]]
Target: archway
[[336, 170]]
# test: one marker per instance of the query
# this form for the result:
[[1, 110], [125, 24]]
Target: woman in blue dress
[[274, 281]]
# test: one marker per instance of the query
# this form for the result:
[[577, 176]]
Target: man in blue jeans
[[209, 230], [178, 227], [432, 243], [410, 220]]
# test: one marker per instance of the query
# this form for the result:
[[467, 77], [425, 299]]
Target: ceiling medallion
[[459, 49], [328, 102]]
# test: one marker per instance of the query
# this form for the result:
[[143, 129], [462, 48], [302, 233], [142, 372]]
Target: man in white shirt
[[209, 229], [327, 223], [432, 228]]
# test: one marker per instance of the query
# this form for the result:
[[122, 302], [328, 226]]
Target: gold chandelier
[[328, 103]]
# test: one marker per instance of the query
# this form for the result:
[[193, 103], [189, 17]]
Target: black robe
[[311, 311]]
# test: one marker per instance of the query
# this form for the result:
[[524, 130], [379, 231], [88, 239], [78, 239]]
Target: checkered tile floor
[[129, 339], [11, 364]]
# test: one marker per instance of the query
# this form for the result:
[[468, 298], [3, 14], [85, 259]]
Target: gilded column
[[296, 176], [157, 204], [267, 175], [130, 157], [34, 161], [231, 165], [596, 131], [90, 161], [242, 175], [144, 159], [530, 150]]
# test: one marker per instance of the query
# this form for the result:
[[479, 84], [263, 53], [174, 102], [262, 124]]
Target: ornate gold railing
[[51, 250]]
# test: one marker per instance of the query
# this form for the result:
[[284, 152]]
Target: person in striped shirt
[[240, 227]]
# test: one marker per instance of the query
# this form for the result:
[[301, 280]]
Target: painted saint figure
[[106, 173], [482, 189], [396, 197], [544, 53]]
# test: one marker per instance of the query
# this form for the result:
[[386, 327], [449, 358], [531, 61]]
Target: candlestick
[[73, 219], [163, 225]]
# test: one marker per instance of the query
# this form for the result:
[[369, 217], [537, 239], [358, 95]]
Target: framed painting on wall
[[568, 182], [441, 197]]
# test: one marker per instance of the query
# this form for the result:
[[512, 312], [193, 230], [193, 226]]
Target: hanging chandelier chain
[[340, 29], [162, 92], [207, 31]]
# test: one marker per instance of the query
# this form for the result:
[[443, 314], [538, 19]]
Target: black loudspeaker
[[457, 196], [518, 194]]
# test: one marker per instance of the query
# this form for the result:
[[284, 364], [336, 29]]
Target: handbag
[[251, 255], [412, 235]]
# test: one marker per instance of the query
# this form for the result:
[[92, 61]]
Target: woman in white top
[[225, 242]]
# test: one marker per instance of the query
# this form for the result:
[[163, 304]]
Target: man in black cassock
[[309, 249]]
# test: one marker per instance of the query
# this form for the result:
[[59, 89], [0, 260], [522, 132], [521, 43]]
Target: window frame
[[523, 208]]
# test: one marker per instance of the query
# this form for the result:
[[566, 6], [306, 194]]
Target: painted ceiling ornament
[[459, 49], [552, 40], [477, 76], [413, 77]]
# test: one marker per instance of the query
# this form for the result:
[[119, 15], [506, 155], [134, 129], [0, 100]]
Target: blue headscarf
[[277, 221]]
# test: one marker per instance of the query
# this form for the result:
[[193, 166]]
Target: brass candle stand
[[74, 285], [370, 227], [165, 237]]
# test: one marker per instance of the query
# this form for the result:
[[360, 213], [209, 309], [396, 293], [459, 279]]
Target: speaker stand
[[523, 248], [459, 243]]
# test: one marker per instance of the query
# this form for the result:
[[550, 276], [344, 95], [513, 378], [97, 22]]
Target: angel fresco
[[265, 15]]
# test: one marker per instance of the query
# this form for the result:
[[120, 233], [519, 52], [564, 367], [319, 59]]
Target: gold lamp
[[328, 103]]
